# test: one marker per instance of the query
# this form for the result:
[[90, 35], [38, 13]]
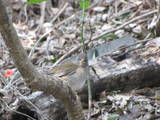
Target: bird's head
[[83, 60]]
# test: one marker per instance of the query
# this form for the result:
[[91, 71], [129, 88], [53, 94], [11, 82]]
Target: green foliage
[[95, 54], [110, 36], [118, 21], [34, 1], [54, 59], [116, 92], [84, 4], [126, 15]]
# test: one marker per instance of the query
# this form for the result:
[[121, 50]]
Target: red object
[[8, 73]]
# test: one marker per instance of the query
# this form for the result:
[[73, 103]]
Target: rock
[[104, 17], [132, 25], [120, 33], [99, 9], [137, 29], [106, 27]]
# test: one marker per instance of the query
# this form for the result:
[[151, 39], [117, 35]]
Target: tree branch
[[58, 88]]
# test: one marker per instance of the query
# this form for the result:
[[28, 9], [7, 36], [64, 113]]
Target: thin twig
[[45, 34], [9, 109], [67, 19], [66, 55], [37, 42], [42, 18], [34, 106], [76, 14], [59, 12], [125, 24], [47, 45], [89, 82], [25, 13], [158, 5]]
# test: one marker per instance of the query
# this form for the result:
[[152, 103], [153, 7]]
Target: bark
[[50, 85], [132, 73], [50, 108], [128, 75]]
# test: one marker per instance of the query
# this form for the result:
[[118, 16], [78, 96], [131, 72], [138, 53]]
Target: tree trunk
[[59, 89]]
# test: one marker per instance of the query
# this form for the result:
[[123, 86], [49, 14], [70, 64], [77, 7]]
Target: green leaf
[[126, 15], [110, 36], [54, 59], [34, 1], [116, 92], [84, 4], [118, 22], [94, 54]]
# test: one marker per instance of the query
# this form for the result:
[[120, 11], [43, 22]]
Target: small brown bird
[[76, 75]]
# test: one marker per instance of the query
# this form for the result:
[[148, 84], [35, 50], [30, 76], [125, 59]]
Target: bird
[[75, 74]]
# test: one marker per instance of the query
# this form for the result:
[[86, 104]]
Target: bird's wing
[[64, 69], [78, 80], [65, 73]]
